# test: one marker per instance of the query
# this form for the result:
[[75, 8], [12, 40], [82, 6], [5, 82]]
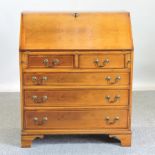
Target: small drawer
[[88, 79], [51, 61], [101, 61], [76, 97], [76, 119]]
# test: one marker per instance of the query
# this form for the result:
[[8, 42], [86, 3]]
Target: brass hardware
[[111, 121], [45, 98], [45, 61], [39, 81], [97, 62], [35, 119], [108, 78], [34, 98], [44, 78], [116, 98], [53, 63], [37, 99], [44, 119], [40, 122], [34, 78], [76, 15]]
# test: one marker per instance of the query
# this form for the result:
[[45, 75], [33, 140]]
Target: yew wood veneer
[[76, 75]]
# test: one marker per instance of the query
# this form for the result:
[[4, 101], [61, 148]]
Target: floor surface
[[143, 127]]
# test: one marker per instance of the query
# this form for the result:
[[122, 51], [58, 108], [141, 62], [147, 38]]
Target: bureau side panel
[[21, 88], [22, 65], [131, 82]]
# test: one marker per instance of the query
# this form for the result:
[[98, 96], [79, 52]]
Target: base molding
[[27, 138]]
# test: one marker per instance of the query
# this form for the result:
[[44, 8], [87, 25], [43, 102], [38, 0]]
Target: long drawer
[[76, 97], [76, 119], [92, 79]]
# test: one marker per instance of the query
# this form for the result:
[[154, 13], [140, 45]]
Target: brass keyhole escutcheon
[[76, 14]]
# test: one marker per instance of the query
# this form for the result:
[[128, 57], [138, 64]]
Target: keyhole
[[76, 15]]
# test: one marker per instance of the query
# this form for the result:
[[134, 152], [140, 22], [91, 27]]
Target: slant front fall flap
[[98, 31]]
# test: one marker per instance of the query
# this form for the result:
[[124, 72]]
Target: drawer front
[[76, 97], [50, 61], [76, 119], [91, 79], [102, 61]]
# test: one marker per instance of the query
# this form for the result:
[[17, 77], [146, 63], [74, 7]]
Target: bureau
[[76, 75]]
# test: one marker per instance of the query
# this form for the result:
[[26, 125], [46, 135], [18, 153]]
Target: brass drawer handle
[[109, 79], [97, 62], [116, 98], [40, 122], [39, 81], [111, 121], [34, 78], [37, 99], [53, 63]]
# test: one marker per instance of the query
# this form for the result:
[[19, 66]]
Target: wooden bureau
[[76, 75]]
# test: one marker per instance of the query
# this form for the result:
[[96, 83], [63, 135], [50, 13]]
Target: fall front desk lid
[[71, 31]]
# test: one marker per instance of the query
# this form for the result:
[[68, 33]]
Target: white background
[[143, 26]]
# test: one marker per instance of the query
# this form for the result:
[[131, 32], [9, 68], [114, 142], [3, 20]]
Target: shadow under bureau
[[76, 75]]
